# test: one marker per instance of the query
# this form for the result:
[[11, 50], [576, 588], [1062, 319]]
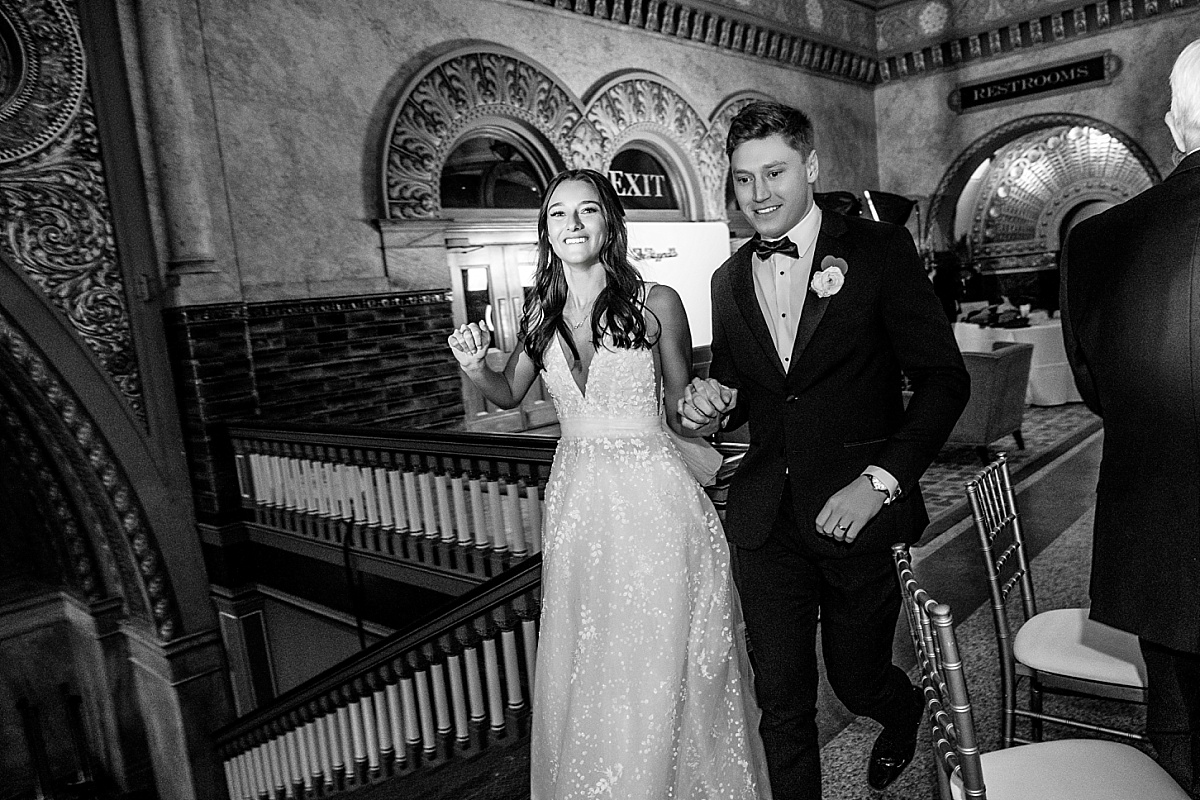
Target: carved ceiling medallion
[[44, 75]]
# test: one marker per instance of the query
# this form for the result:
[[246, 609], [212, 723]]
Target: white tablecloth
[[1050, 379]]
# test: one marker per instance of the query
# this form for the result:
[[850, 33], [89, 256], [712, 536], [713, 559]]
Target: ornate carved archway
[[93, 509], [469, 89], [1067, 164], [1036, 180]]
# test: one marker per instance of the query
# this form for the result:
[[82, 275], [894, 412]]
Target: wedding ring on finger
[[843, 527]]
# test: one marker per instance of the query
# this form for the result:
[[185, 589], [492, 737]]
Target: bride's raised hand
[[469, 343]]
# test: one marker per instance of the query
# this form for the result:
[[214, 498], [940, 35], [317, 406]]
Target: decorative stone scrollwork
[[120, 529], [448, 99], [453, 95], [57, 222], [42, 48]]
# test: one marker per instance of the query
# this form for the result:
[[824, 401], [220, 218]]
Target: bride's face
[[575, 224]]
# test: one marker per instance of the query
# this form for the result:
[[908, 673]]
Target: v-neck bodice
[[620, 384]]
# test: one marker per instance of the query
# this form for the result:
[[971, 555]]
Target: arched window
[[491, 170]]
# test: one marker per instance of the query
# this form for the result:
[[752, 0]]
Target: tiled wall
[[380, 360]]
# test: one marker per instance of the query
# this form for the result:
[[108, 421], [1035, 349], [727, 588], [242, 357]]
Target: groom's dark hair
[[764, 118]]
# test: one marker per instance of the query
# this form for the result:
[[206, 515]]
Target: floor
[[1055, 478]]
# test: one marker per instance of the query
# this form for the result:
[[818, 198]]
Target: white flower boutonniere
[[829, 280]]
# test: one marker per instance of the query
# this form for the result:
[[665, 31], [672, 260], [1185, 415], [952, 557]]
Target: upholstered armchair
[[997, 405]]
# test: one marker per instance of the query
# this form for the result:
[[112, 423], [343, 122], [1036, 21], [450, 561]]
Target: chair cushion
[[1066, 642], [1074, 769]]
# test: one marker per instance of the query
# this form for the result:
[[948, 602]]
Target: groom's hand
[[850, 508], [704, 403]]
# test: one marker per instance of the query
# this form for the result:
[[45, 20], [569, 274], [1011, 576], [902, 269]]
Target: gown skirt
[[642, 688]]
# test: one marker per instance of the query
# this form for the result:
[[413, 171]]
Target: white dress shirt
[[781, 286]]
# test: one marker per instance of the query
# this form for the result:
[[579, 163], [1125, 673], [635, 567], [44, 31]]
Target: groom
[[814, 320]]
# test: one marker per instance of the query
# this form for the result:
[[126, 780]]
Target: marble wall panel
[[920, 136]]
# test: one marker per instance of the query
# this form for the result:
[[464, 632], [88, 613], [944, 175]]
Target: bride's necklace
[[584, 317]]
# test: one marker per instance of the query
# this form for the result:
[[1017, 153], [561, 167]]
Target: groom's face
[[773, 183]]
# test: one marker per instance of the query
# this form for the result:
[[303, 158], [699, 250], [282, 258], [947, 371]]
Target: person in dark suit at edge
[[814, 321], [1130, 300]]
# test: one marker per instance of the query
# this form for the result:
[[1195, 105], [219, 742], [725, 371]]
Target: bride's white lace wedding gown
[[642, 688]]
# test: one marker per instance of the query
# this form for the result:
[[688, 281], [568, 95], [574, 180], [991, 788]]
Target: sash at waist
[[608, 427]]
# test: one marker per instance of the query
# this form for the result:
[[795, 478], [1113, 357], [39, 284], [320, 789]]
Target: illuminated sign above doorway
[[641, 181], [1094, 70]]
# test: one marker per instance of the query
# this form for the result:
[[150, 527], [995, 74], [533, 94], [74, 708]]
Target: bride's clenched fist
[[469, 343]]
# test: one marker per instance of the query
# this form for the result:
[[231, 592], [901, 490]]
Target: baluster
[[275, 761], [512, 519], [441, 491], [441, 701], [231, 782], [395, 716], [396, 490], [290, 751], [262, 774], [339, 747], [428, 515], [262, 491], [365, 741], [526, 608], [512, 669], [324, 481], [380, 475], [276, 479], [459, 492], [424, 703], [496, 517], [491, 673], [533, 508], [458, 699], [337, 496], [475, 696], [383, 726], [245, 770], [478, 518], [412, 721], [415, 524], [350, 735], [314, 778], [366, 479], [324, 743], [288, 468]]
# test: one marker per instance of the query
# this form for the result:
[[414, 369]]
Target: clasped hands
[[842, 518]]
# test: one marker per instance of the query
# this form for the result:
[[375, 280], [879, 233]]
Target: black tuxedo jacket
[[839, 407], [1130, 292]]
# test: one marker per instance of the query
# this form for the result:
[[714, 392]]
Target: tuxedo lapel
[[828, 243], [747, 301]]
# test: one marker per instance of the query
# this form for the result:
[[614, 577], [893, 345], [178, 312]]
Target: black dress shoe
[[894, 748]]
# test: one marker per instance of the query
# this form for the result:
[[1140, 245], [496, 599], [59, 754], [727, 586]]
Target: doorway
[[490, 283]]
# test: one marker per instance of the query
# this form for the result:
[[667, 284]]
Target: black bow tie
[[765, 249]]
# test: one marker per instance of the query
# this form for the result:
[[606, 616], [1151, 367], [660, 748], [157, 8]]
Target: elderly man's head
[[1184, 117]]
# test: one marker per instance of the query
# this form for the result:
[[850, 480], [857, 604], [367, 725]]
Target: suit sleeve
[[1070, 304], [923, 342], [723, 367]]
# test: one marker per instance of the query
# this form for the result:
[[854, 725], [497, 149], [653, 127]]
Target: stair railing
[[461, 505]]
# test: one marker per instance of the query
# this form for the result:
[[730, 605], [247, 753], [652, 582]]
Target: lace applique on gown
[[642, 689]]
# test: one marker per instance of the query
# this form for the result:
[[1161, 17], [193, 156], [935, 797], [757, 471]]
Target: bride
[[642, 687]]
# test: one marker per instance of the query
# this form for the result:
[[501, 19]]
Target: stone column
[[182, 693], [176, 149]]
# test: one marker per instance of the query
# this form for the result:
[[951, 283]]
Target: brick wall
[[379, 360]]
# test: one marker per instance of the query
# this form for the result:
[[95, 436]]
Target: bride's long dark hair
[[617, 310]]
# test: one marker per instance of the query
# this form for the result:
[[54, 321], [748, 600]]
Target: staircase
[[441, 708]]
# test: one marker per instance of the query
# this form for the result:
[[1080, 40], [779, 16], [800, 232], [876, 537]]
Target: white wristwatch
[[878, 486]]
